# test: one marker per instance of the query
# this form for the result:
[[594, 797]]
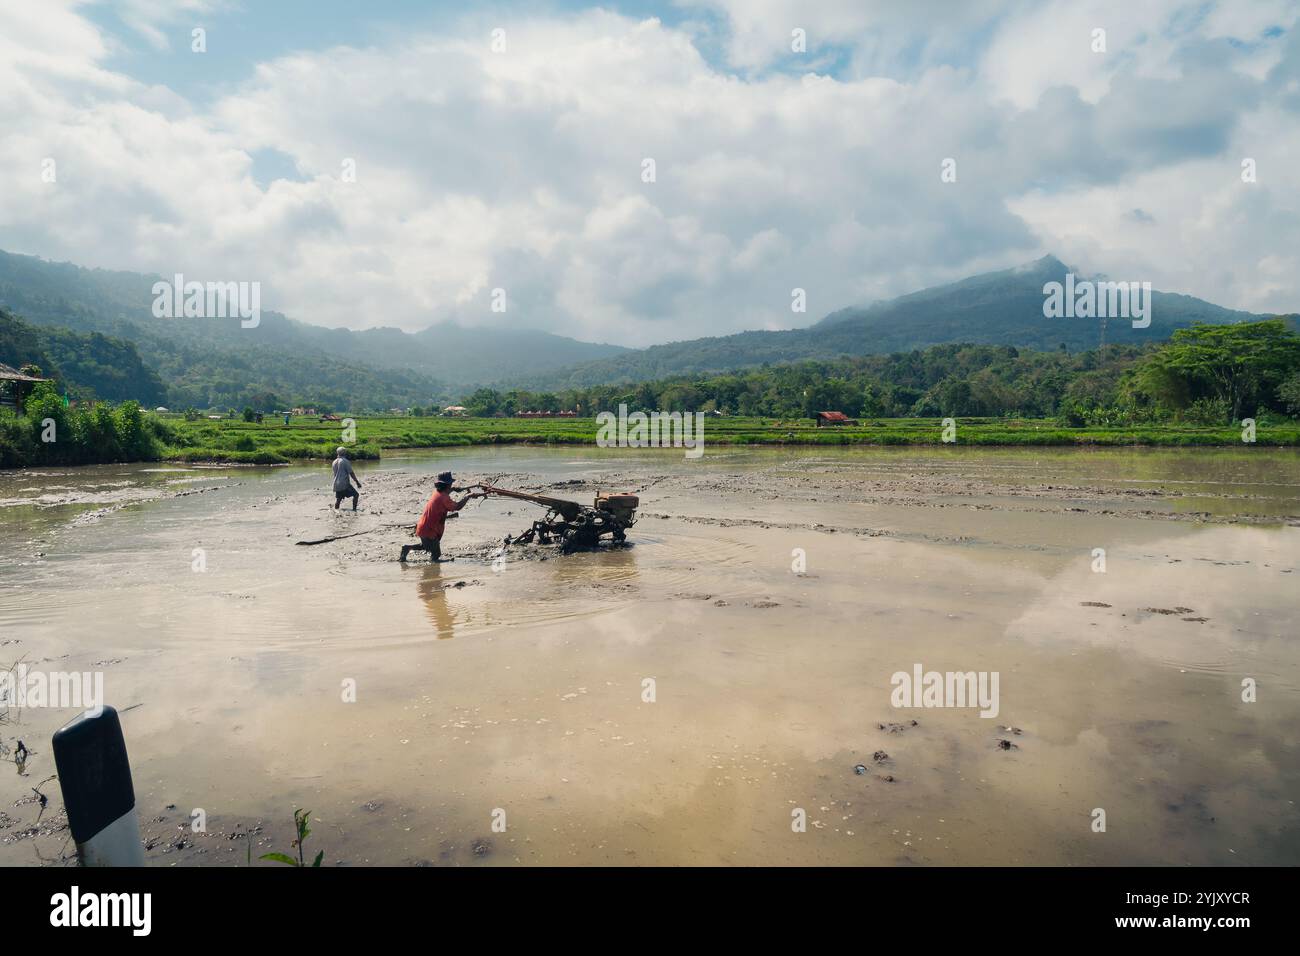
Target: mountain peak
[[1046, 265]]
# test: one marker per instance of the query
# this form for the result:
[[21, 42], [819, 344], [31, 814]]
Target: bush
[[99, 433], [1208, 411], [50, 433], [1288, 393]]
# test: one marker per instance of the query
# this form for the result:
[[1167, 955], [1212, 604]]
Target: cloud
[[151, 18], [523, 169]]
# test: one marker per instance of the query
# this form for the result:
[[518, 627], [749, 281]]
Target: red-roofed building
[[833, 418]]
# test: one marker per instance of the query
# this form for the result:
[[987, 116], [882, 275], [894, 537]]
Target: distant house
[[833, 418], [454, 410], [16, 385]]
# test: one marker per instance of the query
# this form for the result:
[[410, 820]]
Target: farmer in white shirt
[[343, 478]]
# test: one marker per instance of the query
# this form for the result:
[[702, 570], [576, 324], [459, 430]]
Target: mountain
[[994, 308], [1005, 308], [454, 354], [215, 362], [88, 364]]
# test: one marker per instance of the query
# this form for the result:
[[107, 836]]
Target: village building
[[15, 386], [833, 418]]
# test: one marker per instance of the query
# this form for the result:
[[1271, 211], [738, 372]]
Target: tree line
[[1207, 374], [51, 433]]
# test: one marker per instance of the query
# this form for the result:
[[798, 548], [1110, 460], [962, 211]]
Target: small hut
[[15, 386], [833, 418]]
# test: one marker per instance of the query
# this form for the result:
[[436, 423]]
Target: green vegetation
[[48, 433], [995, 308], [93, 331], [1207, 375], [1227, 369], [1190, 391], [233, 440], [88, 365], [217, 363], [300, 818], [275, 442], [210, 363]]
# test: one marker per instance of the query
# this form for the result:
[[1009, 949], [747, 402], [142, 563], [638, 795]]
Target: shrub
[[1208, 411]]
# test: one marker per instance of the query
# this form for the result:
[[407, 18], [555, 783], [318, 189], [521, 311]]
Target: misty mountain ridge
[[205, 362], [121, 303], [993, 308]]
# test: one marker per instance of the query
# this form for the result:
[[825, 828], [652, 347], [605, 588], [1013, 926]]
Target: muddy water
[[519, 692]]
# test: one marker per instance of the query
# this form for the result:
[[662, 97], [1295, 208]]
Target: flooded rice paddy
[[518, 689]]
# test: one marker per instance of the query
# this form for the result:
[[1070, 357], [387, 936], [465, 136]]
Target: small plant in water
[[304, 831]]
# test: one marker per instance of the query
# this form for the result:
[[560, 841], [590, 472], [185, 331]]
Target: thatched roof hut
[[15, 385]]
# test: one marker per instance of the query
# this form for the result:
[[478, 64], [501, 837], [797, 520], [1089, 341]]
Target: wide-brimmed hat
[[446, 478]]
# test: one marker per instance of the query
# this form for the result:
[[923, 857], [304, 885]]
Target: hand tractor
[[574, 525]]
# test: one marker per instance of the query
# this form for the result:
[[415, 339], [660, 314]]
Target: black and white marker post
[[95, 775]]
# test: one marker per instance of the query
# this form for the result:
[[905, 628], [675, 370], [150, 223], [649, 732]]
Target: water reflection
[[433, 593], [606, 566], [528, 588]]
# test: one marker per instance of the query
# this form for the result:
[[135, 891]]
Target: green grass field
[[273, 442]]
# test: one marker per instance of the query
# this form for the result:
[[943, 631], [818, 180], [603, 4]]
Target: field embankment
[[276, 442], [127, 434]]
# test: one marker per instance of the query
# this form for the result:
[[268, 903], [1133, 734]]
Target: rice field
[[274, 442]]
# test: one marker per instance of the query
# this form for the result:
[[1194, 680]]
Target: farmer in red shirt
[[434, 518]]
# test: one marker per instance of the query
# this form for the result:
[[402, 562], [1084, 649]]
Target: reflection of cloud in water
[[1230, 576]]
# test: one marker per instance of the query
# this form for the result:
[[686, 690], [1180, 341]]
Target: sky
[[394, 163]]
